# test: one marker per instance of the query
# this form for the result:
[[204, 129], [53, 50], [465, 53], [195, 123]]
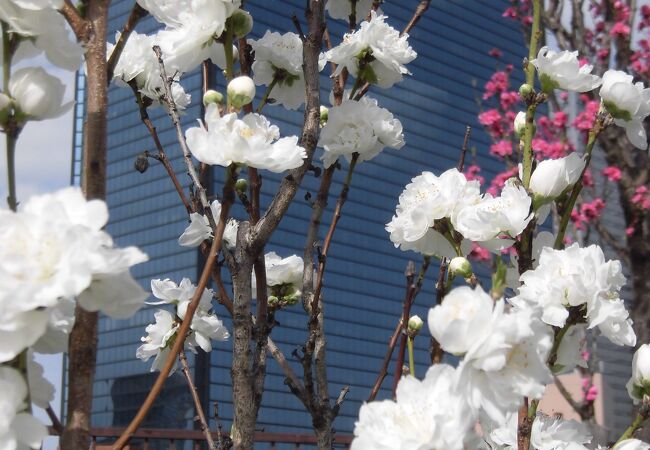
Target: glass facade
[[364, 283]]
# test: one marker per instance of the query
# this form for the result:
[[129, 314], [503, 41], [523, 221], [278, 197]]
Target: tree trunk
[[245, 413], [82, 350]]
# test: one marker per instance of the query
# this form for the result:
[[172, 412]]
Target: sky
[[43, 160]]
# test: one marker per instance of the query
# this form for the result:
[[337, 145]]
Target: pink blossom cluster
[[641, 197]]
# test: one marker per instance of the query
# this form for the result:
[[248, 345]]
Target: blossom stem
[[11, 129], [10, 136], [568, 207], [265, 98], [642, 415], [227, 49], [409, 343]]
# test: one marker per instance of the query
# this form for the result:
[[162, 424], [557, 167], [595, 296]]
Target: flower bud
[[211, 96], [241, 22], [241, 91], [141, 163], [324, 114], [37, 95], [460, 266], [520, 124], [552, 177], [525, 90], [639, 384], [415, 323], [241, 185]]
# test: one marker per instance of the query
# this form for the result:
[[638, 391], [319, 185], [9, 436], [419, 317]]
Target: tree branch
[[82, 28], [200, 415]]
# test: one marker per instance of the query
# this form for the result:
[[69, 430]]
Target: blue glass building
[[364, 283]]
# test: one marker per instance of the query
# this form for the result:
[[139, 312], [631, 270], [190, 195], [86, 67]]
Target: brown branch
[[406, 311], [228, 199], [200, 415], [463, 150], [137, 13], [82, 351], [578, 408], [417, 15], [172, 110], [56, 423], [340, 400], [262, 231], [161, 155], [181, 333], [81, 27], [383, 372]]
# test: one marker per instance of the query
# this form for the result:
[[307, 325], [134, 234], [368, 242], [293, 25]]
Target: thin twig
[[56, 423], [161, 154], [200, 415], [577, 407], [463, 150], [228, 198], [173, 113], [339, 401], [137, 13], [296, 23], [181, 334], [383, 372], [81, 27], [215, 410]]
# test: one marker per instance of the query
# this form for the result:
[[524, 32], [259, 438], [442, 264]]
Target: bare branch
[[82, 28], [56, 423], [200, 415], [137, 13]]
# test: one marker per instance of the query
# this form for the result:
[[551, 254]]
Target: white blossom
[[628, 103], [569, 354], [639, 384], [341, 9], [18, 429], [461, 319], [631, 444], [551, 177], [139, 64], [547, 433], [156, 342], [361, 127], [42, 29], [205, 326], [427, 414], [36, 94], [199, 229], [192, 39], [579, 277], [278, 59], [241, 91], [508, 363], [520, 123], [425, 200], [283, 278], [562, 71], [54, 250], [375, 52], [488, 218], [251, 140], [59, 325]]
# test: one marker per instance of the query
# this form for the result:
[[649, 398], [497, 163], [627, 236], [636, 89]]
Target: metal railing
[[161, 438]]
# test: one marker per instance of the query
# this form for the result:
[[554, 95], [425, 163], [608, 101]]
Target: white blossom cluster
[[283, 279], [205, 326], [54, 256]]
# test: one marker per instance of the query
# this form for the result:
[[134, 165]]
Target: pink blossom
[[591, 210], [603, 54], [502, 148], [472, 173], [585, 119], [612, 173], [500, 180], [592, 394], [508, 98], [560, 119], [641, 197], [495, 53], [588, 178], [620, 30], [629, 231], [585, 355], [498, 83], [478, 253]]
